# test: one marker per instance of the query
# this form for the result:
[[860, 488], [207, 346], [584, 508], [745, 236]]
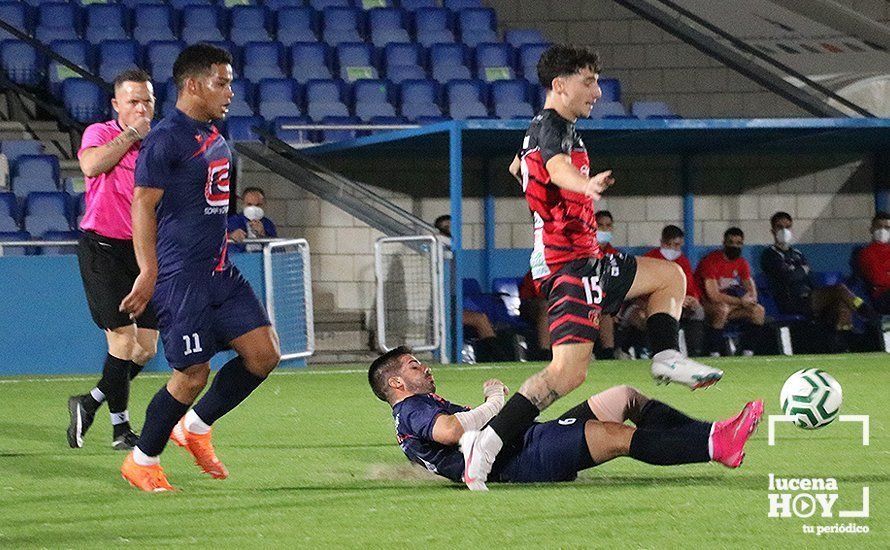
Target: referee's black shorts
[[108, 268]]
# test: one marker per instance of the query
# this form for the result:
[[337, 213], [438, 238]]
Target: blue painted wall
[[45, 325]]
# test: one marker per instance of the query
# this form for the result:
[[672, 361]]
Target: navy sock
[[657, 415], [663, 332], [135, 369], [163, 412], [515, 418], [115, 383], [685, 445], [232, 384]]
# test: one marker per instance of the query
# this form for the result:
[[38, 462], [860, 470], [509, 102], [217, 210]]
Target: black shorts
[[108, 268], [581, 291]]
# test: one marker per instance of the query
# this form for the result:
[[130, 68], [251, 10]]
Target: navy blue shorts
[[551, 451], [200, 313]]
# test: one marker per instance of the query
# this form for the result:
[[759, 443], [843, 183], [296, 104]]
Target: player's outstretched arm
[[450, 427], [145, 236], [564, 175]]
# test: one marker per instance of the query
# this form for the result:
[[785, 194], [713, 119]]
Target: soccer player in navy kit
[[180, 210], [428, 428]]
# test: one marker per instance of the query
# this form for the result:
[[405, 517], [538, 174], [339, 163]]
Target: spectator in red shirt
[[729, 292], [874, 262], [605, 343]]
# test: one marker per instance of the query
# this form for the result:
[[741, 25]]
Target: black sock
[[89, 403], [115, 383], [163, 412], [663, 330], [695, 335], [515, 418], [580, 412], [604, 354], [135, 369], [658, 415], [231, 385], [685, 445]]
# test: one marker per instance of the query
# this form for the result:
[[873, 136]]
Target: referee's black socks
[[115, 384]]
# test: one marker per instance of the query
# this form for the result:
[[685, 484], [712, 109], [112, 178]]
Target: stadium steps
[[12, 130], [341, 335], [55, 142]]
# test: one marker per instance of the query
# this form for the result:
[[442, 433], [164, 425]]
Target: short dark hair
[[603, 214], [671, 232], [134, 74], [880, 215], [733, 232], [197, 60], [779, 216], [383, 367], [564, 60], [247, 190]]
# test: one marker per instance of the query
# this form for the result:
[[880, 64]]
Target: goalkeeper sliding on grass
[[428, 428]]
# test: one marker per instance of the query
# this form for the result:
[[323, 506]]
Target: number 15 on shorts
[[592, 289], [192, 344]]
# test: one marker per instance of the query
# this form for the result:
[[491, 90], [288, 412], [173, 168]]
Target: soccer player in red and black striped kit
[[579, 281]]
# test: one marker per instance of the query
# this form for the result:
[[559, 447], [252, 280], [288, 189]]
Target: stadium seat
[[153, 22], [292, 137], [402, 62], [21, 62], [35, 173], [494, 60], [509, 99], [200, 24], [14, 149], [9, 212], [432, 26], [324, 98], [16, 14], [278, 97], [464, 99], [449, 62], [520, 37], [59, 236], [181, 4], [338, 135], [310, 61], [85, 101], [15, 250], [414, 5], [608, 109], [477, 25], [295, 24], [240, 128], [46, 212], [57, 21], [341, 25], [387, 25], [529, 54], [275, 5], [115, 56], [401, 73], [75, 51], [105, 22], [321, 5], [651, 109], [457, 5], [262, 60], [160, 56], [372, 99], [242, 101], [611, 88], [419, 98], [248, 24], [355, 61]]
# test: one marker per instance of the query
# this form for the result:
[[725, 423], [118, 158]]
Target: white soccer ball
[[813, 397]]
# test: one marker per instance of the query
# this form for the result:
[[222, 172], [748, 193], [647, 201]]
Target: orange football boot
[[146, 478], [201, 448]]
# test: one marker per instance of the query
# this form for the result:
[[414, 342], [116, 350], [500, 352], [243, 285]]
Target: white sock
[[120, 418], [97, 394], [143, 459], [194, 424], [490, 442], [711, 442]]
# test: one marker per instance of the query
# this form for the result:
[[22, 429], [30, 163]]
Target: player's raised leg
[[665, 285]]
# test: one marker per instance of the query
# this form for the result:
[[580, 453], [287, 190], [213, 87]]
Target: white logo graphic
[[216, 191]]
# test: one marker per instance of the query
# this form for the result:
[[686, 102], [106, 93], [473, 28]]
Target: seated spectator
[[605, 342], [729, 293], [874, 263], [533, 309], [693, 317], [443, 224], [252, 222], [791, 282], [604, 223]]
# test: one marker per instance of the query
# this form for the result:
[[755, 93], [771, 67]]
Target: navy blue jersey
[[190, 161], [415, 417]]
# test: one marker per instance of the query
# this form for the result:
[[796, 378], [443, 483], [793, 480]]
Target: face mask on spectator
[[670, 254], [732, 252], [253, 213], [785, 236], [604, 237], [881, 235]]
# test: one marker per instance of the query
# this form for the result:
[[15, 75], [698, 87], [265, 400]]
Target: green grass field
[[314, 463]]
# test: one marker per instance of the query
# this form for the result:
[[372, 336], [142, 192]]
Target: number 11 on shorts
[[191, 347], [592, 289]]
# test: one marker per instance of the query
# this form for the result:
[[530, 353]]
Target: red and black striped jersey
[[564, 221]]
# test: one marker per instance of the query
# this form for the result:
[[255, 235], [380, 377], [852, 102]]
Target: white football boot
[[672, 366], [479, 450]]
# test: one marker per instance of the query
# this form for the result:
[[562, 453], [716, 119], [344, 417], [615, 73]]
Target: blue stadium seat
[[105, 22], [310, 61], [341, 25], [414, 5], [387, 25], [457, 5], [115, 56], [35, 173], [449, 62], [275, 5], [16, 14], [493, 55], [292, 137], [352, 56], [21, 63], [296, 24], [324, 98], [181, 4], [131, 4], [160, 56], [402, 61], [509, 99], [85, 101], [338, 135], [46, 212], [200, 24], [372, 99], [240, 128], [76, 51], [401, 73], [520, 37], [432, 26], [651, 109], [242, 101], [262, 60], [14, 149], [15, 250], [321, 5], [153, 22], [277, 97], [529, 54], [9, 212], [608, 109], [611, 88], [419, 98], [464, 99], [59, 236], [248, 24], [57, 21], [477, 25]]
